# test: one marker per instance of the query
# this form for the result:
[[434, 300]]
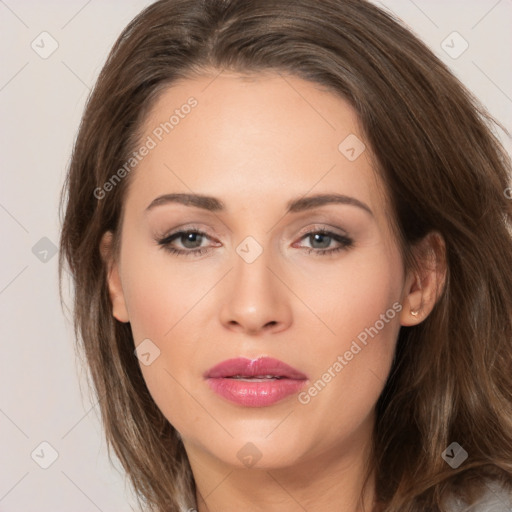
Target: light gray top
[[496, 499]]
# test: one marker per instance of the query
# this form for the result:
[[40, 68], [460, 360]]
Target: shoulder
[[495, 499]]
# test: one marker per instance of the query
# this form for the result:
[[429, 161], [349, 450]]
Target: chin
[[259, 447]]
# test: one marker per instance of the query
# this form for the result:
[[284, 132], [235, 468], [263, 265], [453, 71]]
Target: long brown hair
[[444, 170]]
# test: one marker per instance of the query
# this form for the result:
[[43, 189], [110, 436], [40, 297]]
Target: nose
[[255, 299]]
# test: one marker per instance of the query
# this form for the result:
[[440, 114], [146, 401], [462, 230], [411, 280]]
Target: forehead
[[248, 138]]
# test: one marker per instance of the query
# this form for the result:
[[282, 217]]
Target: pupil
[[319, 237], [191, 237]]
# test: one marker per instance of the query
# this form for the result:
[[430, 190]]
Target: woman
[[289, 232]]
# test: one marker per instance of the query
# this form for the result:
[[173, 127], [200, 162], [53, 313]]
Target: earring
[[414, 313]]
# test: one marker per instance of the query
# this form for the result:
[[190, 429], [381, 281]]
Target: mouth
[[255, 382], [258, 378]]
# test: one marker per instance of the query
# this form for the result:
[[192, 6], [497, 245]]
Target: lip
[[259, 393]]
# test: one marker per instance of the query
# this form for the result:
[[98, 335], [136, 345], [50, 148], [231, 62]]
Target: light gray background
[[41, 102]]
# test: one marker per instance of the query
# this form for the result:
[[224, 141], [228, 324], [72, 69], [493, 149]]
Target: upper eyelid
[[317, 226], [324, 227], [184, 229]]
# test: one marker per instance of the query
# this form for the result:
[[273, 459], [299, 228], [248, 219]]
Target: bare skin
[[256, 144]]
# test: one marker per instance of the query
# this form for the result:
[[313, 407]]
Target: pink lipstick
[[254, 382]]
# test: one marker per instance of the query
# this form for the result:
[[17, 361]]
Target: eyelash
[[165, 242]]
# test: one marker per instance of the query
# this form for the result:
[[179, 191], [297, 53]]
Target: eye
[[325, 238], [190, 239], [191, 242]]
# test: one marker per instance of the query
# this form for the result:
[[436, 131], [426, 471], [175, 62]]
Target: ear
[[119, 310], [424, 284]]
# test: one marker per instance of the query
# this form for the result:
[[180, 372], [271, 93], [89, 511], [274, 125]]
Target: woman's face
[[268, 283]]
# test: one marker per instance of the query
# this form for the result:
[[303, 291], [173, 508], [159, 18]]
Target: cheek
[[160, 291], [351, 366], [351, 297], [163, 298], [157, 313]]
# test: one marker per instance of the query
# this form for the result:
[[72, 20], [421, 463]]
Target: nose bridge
[[255, 297], [252, 277], [254, 253]]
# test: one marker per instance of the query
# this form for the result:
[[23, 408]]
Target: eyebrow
[[213, 204]]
